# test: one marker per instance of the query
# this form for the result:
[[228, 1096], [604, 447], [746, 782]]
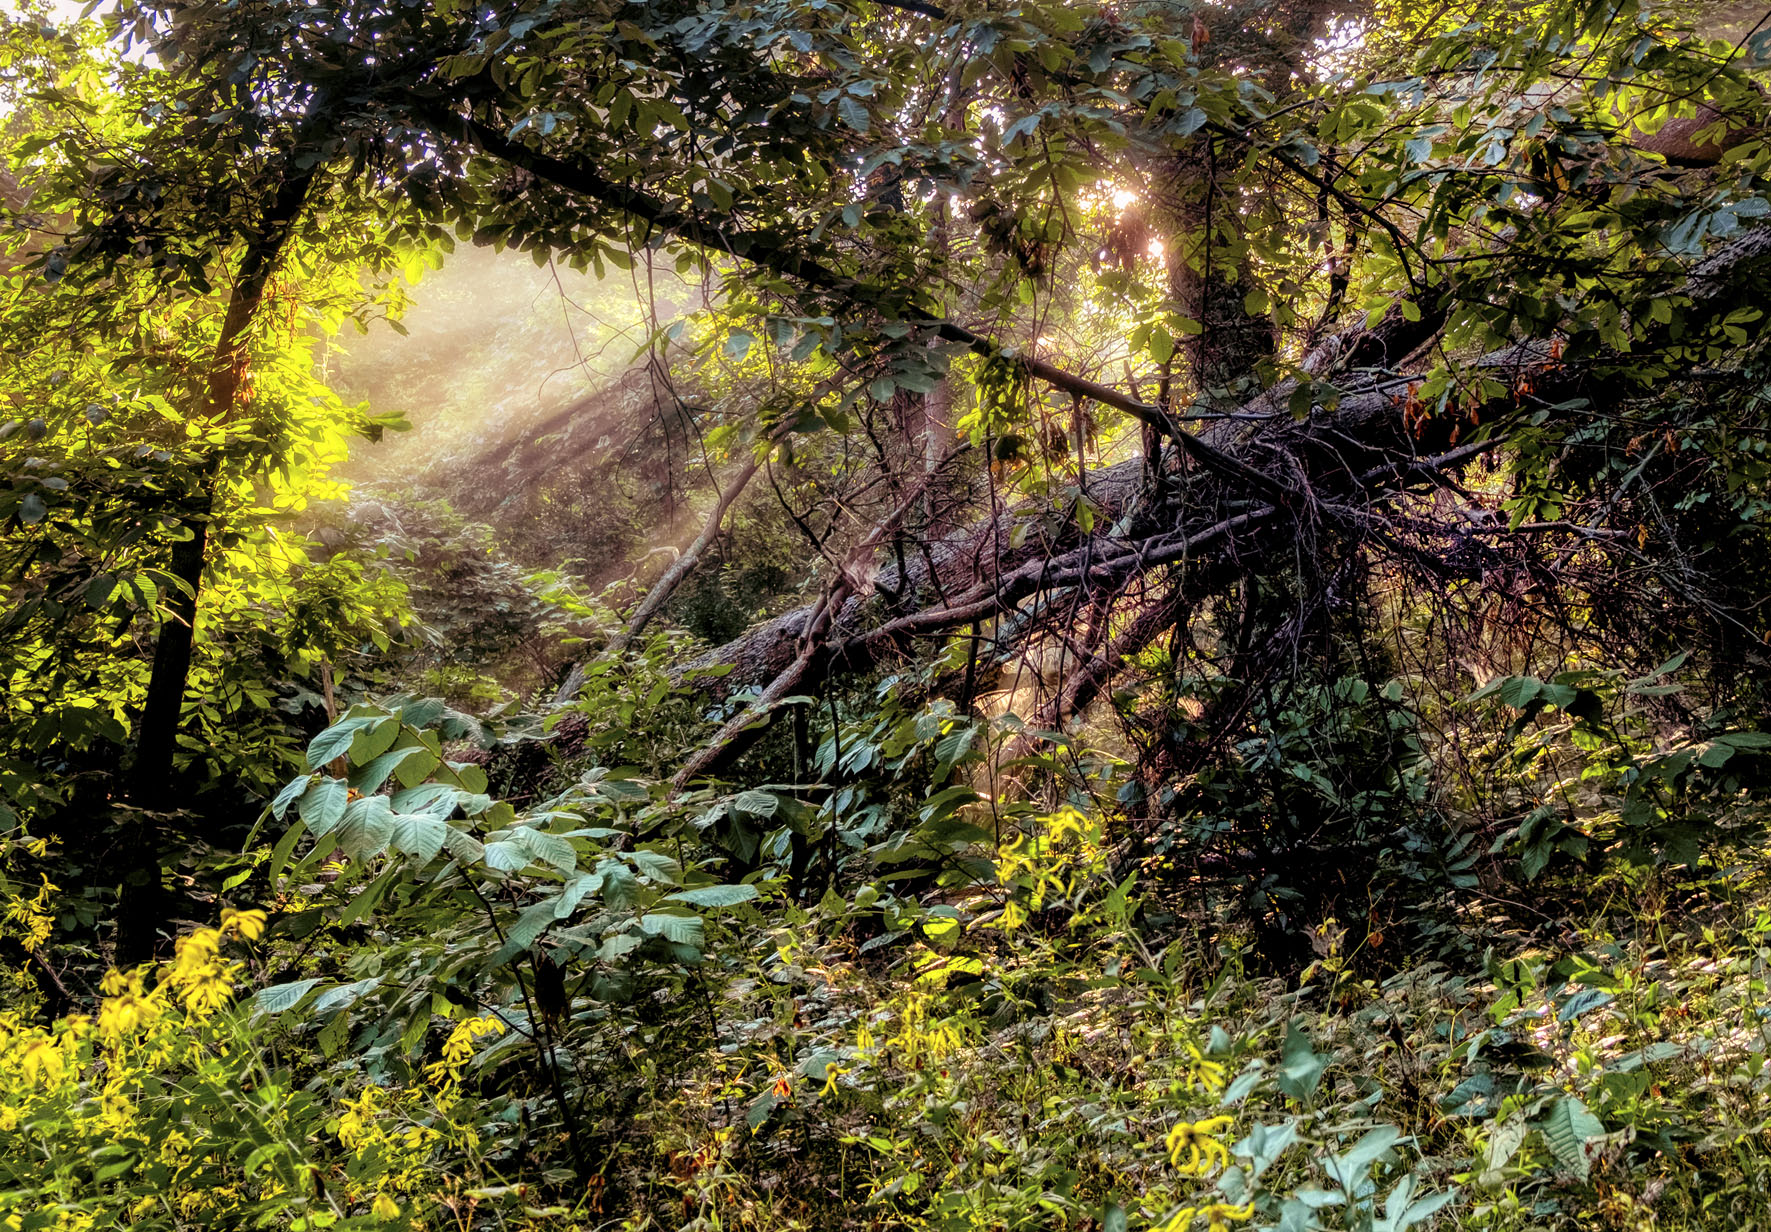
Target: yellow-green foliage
[[168, 1108]]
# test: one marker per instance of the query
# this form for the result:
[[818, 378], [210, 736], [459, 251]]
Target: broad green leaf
[[1264, 1144], [756, 803], [334, 740], [715, 895], [536, 919], [655, 866], [419, 835], [1567, 1127], [1300, 1066], [290, 794], [506, 856], [344, 995], [682, 929], [280, 997], [367, 826], [617, 946], [412, 762], [1583, 1002], [548, 848], [463, 846], [323, 806], [435, 799], [1349, 1170]]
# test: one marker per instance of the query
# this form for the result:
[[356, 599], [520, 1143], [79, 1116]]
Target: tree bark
[[150, 787]]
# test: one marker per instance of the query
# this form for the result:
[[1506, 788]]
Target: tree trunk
[[149, 786]]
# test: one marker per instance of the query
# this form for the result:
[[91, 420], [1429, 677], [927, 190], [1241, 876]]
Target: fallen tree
[[1334, 471]]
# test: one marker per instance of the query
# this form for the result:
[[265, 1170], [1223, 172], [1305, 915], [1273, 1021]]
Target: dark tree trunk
[[149, 786]]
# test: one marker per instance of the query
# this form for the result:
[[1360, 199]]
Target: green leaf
[[575, 892], [413, 762], [1348, 1170], [1402, 1211], [853, 113], [682, 929], [1300, 1067], [464, 846], [435, 799], [1263, 1146], [335, 740], [715, 895], [760, 1108], [1567, 1127], [418, 835], [280, 997], [656, 867], [367, 826], [618, 946], [344, 995], [506, 856], [290, 794], [535, 920], [1583, 1002], [548, 848], [280, 853], [756, 803], [323, 805], [1244, 1085]]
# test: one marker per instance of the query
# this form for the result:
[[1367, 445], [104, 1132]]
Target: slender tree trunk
[[149, 786]]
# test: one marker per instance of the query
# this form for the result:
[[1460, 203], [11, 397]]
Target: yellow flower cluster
[[458, 1050], [1193, 1150], [1218, 1216], [1207, 1075], [383, 1124], [921, 1036], [88, 1080], [1051, 861], [197, 975], [30, 917], [161, 1049]]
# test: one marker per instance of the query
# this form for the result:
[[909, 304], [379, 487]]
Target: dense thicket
[[1161, 621]]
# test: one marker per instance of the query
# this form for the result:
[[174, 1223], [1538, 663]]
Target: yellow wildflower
[[204, 980], [42, 1059], [247, 925], [384, 1208], [1207, 1075], [1193, 1139], [208, 991], [359, 1118], [832, 1072], [459, 1048], [32, 916], [1218, 1217], [126, 1014], [193, 952]]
